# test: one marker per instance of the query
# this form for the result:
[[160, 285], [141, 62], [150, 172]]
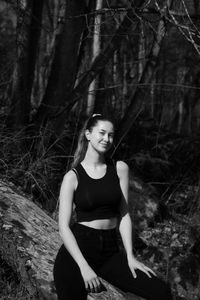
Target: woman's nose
[[106, 137]]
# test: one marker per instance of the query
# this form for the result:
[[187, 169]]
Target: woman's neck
[[93, 158]]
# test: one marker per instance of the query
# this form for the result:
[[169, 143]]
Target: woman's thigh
[[117, 272], [67, 277]]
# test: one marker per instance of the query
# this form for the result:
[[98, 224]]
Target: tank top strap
[[79, 172], [111, 164], [76, 172]]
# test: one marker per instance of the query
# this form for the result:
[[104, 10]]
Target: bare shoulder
[[70, 178], [122, 168]]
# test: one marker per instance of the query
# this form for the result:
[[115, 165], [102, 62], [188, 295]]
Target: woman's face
[[101, 136]]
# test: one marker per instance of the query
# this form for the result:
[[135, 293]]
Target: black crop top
[[97, 198]]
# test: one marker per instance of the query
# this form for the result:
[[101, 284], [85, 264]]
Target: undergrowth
[[10, 285], [36, 169], [169, 163]]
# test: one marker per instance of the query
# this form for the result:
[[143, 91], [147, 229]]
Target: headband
[[96, 115]]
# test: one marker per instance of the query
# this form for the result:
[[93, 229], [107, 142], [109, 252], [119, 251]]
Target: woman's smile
[[101, 137]]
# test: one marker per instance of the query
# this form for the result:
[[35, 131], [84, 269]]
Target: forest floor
[[170, 244], [171, 252]]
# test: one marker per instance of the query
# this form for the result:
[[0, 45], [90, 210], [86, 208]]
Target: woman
[[99, 190]]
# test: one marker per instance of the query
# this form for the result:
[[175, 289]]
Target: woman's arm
[[125, 225], [67, 190]]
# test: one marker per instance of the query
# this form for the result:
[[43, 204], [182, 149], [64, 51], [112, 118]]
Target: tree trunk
[[181, 74], [141, 52], [127, 25], [95, 52], [125, 85], [52, 14], [29, 21], [64, 66], [137, 99], [29, 241], [152, 95]]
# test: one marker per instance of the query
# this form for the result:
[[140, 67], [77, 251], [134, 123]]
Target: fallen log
[[29, 241]]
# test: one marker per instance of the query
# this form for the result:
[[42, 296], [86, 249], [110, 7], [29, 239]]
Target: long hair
[[82, 141]]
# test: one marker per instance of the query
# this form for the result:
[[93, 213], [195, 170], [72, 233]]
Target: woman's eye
[[103, 133]]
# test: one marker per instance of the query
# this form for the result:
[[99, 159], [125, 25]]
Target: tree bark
[[64, 66], [51, 26], [29, 21], [29, 241], [181, 75], [141, 52], [95, 52]]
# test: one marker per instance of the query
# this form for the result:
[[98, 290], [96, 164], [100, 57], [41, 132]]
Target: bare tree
[[127, 25], [138, 98], [96, 48], [29, 20], [64, 66]]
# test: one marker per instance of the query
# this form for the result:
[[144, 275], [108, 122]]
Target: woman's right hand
[[92, 282]]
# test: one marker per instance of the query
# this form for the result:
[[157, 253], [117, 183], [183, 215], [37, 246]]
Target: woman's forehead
[[106, 125]]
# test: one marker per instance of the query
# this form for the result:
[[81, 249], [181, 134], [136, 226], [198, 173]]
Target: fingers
[[134, 273], [97, 285], [144, 269], [93, 285], [151, 271], [147, 270]]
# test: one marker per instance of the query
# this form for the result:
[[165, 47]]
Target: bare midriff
[[101, 224]]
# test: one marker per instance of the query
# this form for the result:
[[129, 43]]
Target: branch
[[137, 100], [100, 62]]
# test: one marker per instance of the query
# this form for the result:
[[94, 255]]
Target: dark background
[[137, 61]]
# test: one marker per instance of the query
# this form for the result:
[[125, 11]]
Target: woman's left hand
[[134, 264]]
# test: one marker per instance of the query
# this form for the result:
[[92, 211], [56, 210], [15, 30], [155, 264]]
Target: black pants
[[101, 251]]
